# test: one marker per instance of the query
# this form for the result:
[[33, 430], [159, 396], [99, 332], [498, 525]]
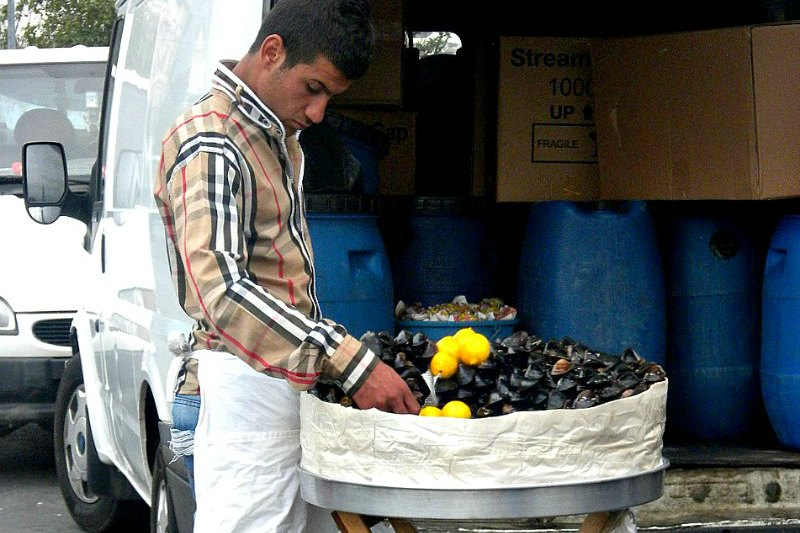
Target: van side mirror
[[44, 180]]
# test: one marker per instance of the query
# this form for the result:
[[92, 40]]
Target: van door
[[128, 266]]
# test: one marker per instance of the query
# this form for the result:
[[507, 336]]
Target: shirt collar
[[251, 105]]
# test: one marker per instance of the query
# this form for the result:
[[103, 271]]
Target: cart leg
[[349, 522], [594, 522], [402, 526]]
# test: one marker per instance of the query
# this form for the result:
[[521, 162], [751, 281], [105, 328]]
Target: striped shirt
[[229, 190]]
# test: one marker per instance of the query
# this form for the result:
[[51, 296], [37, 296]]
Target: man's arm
[[264, 331]]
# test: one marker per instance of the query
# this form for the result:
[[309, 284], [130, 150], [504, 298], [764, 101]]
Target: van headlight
[[8, 321]]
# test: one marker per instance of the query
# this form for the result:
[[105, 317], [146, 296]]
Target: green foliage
[[60, 23], [433, 44]]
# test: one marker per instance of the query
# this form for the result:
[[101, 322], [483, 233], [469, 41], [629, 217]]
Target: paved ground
[[30, 500]]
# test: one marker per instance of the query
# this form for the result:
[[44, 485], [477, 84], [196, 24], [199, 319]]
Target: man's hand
[[386, 390]]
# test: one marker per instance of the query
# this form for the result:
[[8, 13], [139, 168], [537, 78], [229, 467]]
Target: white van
[[50, 94], [113, 395]]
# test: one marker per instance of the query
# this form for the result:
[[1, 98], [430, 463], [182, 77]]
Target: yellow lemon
[[456, 409], [474, 349], [430, 410], [448, 344], [444, 364], [462, 333]]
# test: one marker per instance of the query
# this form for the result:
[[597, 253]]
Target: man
[[229, 190]]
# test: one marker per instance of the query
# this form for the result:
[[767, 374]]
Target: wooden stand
[[355, 523]]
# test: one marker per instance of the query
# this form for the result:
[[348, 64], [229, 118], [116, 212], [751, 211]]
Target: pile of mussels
[[523, 373]]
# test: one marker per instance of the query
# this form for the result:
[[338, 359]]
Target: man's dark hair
[[340, 30]]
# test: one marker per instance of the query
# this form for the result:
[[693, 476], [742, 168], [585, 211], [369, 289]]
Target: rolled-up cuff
[[355, 363]]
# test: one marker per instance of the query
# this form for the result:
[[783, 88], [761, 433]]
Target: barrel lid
[[340, 203]]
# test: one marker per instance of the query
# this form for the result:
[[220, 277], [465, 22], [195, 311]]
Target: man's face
[[300, 94]]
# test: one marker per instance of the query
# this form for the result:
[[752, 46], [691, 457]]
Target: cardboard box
[[397, 168], [701, 115], [382, 85], [546, 147]]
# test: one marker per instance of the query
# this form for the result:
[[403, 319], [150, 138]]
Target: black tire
[[162, 512], [72, 437]]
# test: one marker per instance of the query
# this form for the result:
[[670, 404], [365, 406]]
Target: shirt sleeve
[[266, 332]]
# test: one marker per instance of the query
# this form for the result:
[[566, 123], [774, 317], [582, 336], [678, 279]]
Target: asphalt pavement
[[30, 500]]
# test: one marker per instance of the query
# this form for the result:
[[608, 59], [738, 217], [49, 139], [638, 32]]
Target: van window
[[98, 178], [162, 74], [51, 102]]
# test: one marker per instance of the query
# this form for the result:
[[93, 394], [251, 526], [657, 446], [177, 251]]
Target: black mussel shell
[[611, 392], [465, 394], [490, 365], [507, 409], [608, 359], [371, 341], [534, 344], [481, 382], [593, 359], [516, 340], [539, 397], [513, 359], [583, 373], [427, 354], [566, 383], [446, 385], [628, 380], [465, 375], [515, 378], [419, 339], [585, 399], [534, 372], [527, 384], [641, 387], [403, 337], [599, 380], [554, 350], [630, 357], [654, 373], [385, 339], [503, 388], [556, 400], [484, 412], [401, 361], [419, 396]]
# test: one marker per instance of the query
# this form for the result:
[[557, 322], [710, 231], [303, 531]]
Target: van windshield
[[58, 102]]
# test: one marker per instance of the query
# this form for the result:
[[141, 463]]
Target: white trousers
[[247, 452]]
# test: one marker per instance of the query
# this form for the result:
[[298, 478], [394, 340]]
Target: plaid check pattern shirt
[[229, 191]]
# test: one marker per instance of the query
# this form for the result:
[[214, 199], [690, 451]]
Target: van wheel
[[162, 513], [72, 438]]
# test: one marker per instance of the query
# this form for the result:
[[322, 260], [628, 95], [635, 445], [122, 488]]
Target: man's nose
[[316, 109]]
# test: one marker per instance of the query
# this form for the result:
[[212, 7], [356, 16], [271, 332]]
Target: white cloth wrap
[[370, 447]]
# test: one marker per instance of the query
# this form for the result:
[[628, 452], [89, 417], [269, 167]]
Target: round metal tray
[[466, 504]]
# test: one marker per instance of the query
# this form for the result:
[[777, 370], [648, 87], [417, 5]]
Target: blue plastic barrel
[[780, 344], [592, 272], [713, 288], [442, 252], [354, 280]]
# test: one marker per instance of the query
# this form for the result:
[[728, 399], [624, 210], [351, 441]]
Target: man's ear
[[272, 53]]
